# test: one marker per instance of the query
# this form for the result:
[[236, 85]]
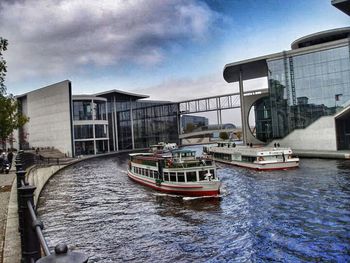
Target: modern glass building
[[138, 123], [90, 125], [308, 82]]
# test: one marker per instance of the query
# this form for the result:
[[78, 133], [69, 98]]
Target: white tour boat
[[183, 173], [259, 158], [163, 147]]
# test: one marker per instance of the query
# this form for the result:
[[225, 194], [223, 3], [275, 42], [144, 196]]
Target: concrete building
[[93, 124], [307, 104], [50, 118]]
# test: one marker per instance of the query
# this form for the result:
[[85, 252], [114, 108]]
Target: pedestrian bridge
[[209, 133]]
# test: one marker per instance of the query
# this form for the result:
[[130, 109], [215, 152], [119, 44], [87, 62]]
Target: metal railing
[[33, 242]]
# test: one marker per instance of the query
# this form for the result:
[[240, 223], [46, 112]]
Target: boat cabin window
[[223, 156], [173, 177], [166, 176], [249, 159], [156, 174], [191, 176], [212, 172], [203, 175], [180, 177]]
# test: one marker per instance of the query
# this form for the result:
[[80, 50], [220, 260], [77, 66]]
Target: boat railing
[[188, 164]]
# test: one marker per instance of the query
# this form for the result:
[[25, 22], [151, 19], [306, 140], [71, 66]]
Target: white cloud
[[56, 36]]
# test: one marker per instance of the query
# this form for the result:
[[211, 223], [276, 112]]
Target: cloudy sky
[[168, 49]]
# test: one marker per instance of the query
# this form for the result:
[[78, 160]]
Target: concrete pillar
[[116, 147], [243, 116], [107, 127], [132, 126]]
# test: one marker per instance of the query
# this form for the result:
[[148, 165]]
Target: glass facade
[[135, 123], [302, 89], [101, 146], [118, 121], [343, 132], [84, 148], [100, 131], [151, 125], [90, 125], [100, 110], [82, 110], [83, 131]]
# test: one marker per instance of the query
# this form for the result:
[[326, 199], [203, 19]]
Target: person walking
[[10, 157]]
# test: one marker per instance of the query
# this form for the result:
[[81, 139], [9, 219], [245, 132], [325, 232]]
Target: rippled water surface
[[301, 215]]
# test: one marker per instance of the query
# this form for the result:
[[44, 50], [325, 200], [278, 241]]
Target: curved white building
[[90, 125]]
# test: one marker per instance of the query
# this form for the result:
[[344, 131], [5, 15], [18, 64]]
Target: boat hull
[[262, 166], [203, 189]]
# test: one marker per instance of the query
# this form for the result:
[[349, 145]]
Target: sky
[[167, 49]]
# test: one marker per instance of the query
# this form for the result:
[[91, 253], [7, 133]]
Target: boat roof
[[183, 151], [257, 151], [147, 157]]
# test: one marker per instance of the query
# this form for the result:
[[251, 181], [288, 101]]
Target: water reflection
[[300, 215]]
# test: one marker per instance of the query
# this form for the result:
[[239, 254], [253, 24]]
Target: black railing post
[[21, 175], [20, 179], [63, 255], [30, 242], [18, 165]]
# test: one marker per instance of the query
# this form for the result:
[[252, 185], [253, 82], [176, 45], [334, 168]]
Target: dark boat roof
[[148, 157]]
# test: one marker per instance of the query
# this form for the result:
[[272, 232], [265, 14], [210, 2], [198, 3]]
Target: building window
[[82, 110], [100, 131], [84, 148], [100, 110], [101, 146], [83, 131]]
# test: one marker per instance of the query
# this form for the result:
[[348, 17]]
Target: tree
[[189, 128], [223, 135], [239, 135], [10, 117], [3, 70]]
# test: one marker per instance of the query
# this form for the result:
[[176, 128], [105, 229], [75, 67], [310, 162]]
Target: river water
[[300, 215]]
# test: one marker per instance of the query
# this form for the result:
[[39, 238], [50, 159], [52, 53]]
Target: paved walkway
[[6, 181]]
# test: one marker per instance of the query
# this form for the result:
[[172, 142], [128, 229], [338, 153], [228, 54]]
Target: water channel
[[301, 215]]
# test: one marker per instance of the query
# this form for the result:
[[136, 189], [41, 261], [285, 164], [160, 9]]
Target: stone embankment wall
[[38, 176]]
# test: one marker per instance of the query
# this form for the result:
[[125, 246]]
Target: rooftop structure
[[343, 5]]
